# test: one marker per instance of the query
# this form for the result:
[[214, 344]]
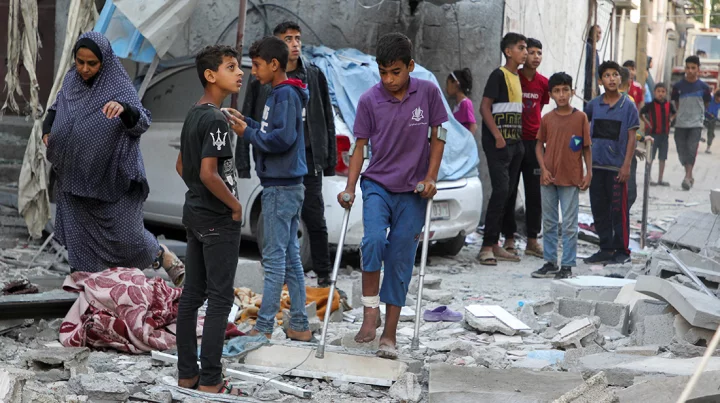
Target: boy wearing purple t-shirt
[[394, 116]]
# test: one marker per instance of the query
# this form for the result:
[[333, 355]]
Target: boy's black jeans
[[211, 261], [530, 171], [313, 215], [504, 166]]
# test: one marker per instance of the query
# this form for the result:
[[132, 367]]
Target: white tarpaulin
[[159, 21]]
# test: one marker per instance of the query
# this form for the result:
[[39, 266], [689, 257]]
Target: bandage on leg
[[370, 302]]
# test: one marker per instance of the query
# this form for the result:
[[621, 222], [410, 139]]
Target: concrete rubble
[[664, 389], [594, 390], [697, 308]]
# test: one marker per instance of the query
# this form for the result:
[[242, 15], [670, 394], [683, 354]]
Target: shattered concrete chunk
[[431, 282], [12, 382], [648, 351], [572, 334], [58, 363], [489, 325], [591, 288], [656, 330], [594, 390], [697, 308], [406, 389], [103, 386], [441, 297]]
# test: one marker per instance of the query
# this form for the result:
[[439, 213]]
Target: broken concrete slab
[[684, 350], [48, 305], [628, 296], [488, 325], [527, 316], [572, 357], [348, 341], [58, 363], [594, 390], [572, 334], [12, 382], [496, 311], [669, 389], [250, 274], [99, 387], [610, 314], [698, 309], [621, 368], [406, 389], [362, 368], [532, 364], [694, 230], [592, 288], [452, 384]]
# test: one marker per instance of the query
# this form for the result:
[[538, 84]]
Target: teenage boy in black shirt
[[212, 216]]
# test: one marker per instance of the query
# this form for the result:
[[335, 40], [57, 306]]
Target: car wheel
[[303, 239], [450, 247]]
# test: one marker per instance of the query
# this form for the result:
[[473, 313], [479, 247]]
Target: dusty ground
[[469, 282]]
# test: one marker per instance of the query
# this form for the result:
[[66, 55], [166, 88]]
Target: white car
[[456, 210]]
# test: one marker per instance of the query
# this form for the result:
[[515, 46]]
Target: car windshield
[[708, 44]]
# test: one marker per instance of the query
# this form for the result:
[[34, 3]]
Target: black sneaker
[[549, 270], [620, 258], [564, 272], [323, 282], [600, 257]]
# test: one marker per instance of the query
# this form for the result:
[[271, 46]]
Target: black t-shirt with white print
[[206, 133]]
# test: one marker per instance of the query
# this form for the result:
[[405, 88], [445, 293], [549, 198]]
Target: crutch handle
[[420, 187], [346, 197]]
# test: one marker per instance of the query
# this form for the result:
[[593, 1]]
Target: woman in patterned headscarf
[[93, 138]]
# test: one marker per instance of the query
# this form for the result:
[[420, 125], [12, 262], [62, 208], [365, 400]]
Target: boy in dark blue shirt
[[279, 149], [614, 120]]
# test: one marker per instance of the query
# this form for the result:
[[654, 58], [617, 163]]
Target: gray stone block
[[648, 351], [644, 308], [99, 387], [431, 283], [571, 308], [613, 315], [250, 274], [58, 363], [656, 330], [12, 382], [592, 288], [489, 325]]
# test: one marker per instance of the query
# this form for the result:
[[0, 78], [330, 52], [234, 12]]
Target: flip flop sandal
[[537, 252], [508, 258], [654, 183], [511, 250], [663, 184], [387, 352], [487, 259], [227, 389]]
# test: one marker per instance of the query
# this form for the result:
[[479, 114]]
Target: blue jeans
[[568, 199], [281, 206], [404, 215]]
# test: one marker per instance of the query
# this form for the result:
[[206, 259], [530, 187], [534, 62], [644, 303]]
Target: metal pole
[[613, 16], [320, 353], [687, 271], [239, 43], [707, 7], [646, 194], [415, 344], [594, 52]]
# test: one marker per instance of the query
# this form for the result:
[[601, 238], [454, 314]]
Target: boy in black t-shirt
[[501, 111], [212, 216]]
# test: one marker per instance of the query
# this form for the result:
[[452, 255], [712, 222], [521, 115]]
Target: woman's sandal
[[487, 258]]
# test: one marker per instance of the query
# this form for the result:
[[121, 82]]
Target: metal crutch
[[423, 261], [320, 353]]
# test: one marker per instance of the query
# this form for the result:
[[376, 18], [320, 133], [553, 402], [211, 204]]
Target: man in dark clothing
[[595, 33], [320, 148]]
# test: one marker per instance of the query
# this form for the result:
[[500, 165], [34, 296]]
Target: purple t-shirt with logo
[[398, 133]]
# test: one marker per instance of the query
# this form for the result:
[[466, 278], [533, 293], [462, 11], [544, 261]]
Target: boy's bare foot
[[388, 348], [299, 336], [189, 383], [255, 332], [371, 322]]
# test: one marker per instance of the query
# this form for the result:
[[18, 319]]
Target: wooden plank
[[245, 376]]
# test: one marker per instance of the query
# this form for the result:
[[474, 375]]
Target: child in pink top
[[459, 85]]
